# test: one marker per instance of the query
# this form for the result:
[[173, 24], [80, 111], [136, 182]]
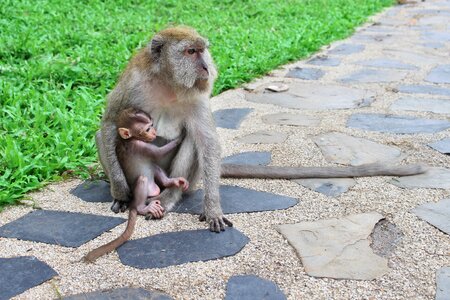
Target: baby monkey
[[138, 157]]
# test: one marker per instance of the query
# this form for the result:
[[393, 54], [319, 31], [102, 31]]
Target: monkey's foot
[[216, 224], [119, 206], [154, 209]]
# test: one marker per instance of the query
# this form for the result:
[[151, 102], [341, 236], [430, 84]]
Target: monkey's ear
[[124, 133], [156, 45]]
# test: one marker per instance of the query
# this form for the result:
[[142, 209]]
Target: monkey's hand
[[216, 224]]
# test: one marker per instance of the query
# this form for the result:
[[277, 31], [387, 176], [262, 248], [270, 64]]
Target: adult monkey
[[171, 80]]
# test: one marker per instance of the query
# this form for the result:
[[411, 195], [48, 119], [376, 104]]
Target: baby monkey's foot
[[153, 210]]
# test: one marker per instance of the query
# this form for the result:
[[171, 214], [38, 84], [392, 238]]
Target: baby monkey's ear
[[124, 133]]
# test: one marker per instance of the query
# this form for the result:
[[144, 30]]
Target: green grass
[[58, 60]]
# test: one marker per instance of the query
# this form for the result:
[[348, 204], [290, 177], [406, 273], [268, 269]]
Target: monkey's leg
[[140, 193]]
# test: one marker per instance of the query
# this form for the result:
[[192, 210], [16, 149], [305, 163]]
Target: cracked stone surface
[[332, 187], [291, 119], [348, 150], [236, 199], [438, 106], [176, 248], [231, 118], [315, 97], [306, 73], [440, 74], [121, 293], [263, 137], [346, 49], [374, 76], [424, 89], [262, 158], [434, 178], [386, 63], [443, 284], [396, 124], [93, 191], [250, 287], [324, 61], [437, 214], [337, 248], [18, 274], [59, 228], [442, 146]]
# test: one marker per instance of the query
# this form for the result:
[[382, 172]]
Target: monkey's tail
[[270, 172], [125, 236]]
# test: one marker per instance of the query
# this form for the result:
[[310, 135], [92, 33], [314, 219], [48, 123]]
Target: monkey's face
[[146, 132]]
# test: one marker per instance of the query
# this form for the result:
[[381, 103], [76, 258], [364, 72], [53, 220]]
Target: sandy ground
[[423, 250]]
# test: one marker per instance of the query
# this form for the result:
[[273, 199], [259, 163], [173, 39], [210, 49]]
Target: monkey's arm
[[155, 152], [269, 172], [119, 185]]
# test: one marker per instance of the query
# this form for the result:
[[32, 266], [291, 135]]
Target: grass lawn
[[59, 59]]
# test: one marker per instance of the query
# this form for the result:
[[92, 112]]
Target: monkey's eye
[[147, 130], [191, 51]]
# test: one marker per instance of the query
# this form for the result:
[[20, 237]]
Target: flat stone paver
[[263, 137], [251, 287], [374, 76], [236, 199], [337, 248], [440, 74], [437, 214], [424, 89], [291, 119], [325, 61], [434, 178], [231, 118], [442, 146], [306, 73], [396, 124], [443, 284], [59, 228], [261, 158], [438, 106], [348, 150], [346, 49], [93, 191], [315, 97], [121, 293], [176, 248], [332, 187], [18, 274], [386, 63]]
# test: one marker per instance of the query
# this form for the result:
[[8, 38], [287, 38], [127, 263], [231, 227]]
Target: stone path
[[382, 95]]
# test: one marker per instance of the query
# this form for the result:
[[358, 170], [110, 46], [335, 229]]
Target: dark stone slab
[[424, 89], [374, 76], [386, 63], [263, 137], [251, 287], [324, 61], [316, 97], [249, 158], [176, 248], [442, 146], [437, 214], [332, 187], [59, 228], [396, 124], [433, 178], [438, 106], [93, 191], [18, 274], [440, 74], [235, 199], [378, 37], [231, 118], [305, 73], [443, 284], [385, 238], [345, 49], [121, 293]]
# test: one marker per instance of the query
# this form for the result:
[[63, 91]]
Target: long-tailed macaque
[[171, 80], [138, 159]]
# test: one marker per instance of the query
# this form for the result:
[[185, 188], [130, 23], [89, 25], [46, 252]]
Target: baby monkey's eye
[[148, 129], [191, 51]]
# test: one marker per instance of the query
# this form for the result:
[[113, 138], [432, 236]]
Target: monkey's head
[[181, 55], [134, 123]]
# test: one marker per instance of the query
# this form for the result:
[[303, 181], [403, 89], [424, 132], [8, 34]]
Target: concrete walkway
[[382, 95]]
